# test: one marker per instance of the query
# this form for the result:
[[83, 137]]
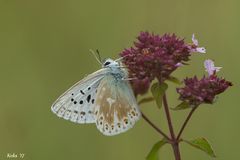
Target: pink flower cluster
[[197, 91], [154, 56]]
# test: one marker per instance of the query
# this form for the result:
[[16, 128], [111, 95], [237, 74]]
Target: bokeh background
[[44, 49]]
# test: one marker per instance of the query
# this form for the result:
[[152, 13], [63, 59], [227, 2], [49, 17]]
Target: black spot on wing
[[82, 113], [88, 98], [82, 92]]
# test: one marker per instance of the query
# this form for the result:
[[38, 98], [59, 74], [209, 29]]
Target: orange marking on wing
[[110, 104]]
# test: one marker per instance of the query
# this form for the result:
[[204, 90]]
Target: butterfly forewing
[[76, 104], [116, 109]]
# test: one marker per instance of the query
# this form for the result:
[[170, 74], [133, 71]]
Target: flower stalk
[[175, 144], [155, 127], [185, 122]]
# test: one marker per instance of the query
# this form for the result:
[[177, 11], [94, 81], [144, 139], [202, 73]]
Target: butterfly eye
[[106, 63]]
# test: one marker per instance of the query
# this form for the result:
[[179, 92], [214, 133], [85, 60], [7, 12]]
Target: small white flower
[[201, 50], [179, 64], [210, 68], [194, 40], [198, 49]]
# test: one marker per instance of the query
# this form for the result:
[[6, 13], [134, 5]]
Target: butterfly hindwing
[[76, 104], [116, 109]]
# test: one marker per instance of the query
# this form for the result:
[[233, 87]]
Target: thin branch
[[166, 108], [155, 127], [185, 122], [175, 144]]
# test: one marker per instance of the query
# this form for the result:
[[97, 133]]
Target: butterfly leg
[[128, 79]]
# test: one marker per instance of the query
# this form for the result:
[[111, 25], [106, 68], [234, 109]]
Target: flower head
[[154, 56], [197, 91]]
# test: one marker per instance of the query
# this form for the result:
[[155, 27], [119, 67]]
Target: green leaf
[[145, 100], [174, 80], [202, 144], [182, 106], [158, 91], [153, 154]]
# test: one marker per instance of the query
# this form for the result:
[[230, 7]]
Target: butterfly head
[[110, 63]]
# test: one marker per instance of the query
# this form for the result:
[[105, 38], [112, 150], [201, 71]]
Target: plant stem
[[185, 122], [176, 151], [155, 127], [175, 142], [166, 108]]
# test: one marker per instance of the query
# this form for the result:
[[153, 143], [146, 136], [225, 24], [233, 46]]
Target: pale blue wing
[[76, 104]]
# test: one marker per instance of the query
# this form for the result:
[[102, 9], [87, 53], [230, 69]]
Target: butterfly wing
[[76, 104], [116, 108]]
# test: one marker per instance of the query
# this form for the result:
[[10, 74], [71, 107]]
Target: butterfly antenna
[[121, 58], [97, 57]]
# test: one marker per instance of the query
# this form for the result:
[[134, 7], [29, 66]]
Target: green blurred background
[[44, 48]]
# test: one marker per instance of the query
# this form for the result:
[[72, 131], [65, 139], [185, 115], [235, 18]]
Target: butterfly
[[104, 97]]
